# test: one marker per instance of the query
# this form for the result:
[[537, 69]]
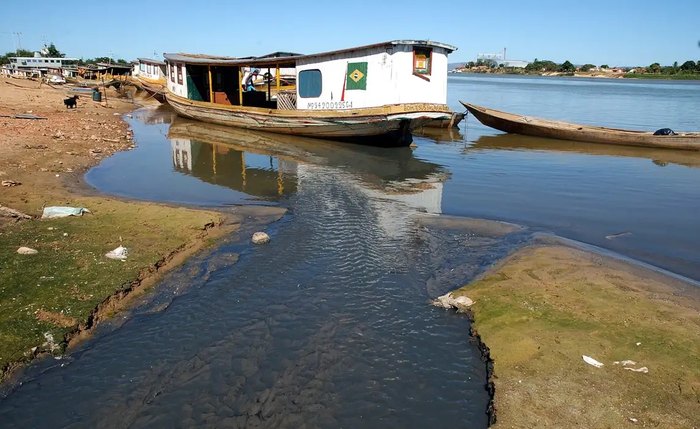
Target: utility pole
[[19, 40]]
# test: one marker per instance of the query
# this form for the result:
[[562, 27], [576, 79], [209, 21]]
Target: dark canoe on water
[[527, 125]]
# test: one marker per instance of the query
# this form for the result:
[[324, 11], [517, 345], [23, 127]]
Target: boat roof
[[290, 59], [151, 61]]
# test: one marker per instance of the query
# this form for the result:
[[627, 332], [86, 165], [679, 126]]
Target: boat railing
[[287, 100]]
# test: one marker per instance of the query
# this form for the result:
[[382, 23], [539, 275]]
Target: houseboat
[[375, 94], [150, 75]]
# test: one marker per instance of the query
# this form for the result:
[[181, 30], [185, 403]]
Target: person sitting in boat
[[248, 80]]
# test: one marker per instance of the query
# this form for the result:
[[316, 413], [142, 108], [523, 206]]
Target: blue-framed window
[[310, 83]]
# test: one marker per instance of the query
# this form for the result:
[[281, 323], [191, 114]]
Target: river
[[330, 325]]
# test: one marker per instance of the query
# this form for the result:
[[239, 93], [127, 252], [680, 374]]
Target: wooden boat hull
[[451, 122], [154, 88], [382, 126], [518, 124]]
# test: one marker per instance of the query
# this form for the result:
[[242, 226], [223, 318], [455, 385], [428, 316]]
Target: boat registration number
[[323, 105]]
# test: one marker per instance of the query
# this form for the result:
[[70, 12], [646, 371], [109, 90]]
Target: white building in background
[[499, 59], [42, 64]]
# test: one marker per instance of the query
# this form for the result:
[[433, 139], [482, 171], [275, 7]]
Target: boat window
[[421, 61], [310, 83], [179, 74], [172, 72]]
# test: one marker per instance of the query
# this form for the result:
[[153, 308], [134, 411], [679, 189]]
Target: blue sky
[[613, 32]]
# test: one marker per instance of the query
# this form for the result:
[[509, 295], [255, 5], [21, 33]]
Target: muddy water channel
[[330, 325]]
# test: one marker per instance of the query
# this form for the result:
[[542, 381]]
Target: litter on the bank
[[8, 183], [449, 301], [56, 211], [589, 360], [27, 251], [120, 253], [643, 369], [625, 362]]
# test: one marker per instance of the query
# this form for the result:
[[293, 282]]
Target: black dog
[[664, 132], [71, 102]]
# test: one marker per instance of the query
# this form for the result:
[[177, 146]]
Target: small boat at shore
[[375, 94], [149, 75], [527, 125]]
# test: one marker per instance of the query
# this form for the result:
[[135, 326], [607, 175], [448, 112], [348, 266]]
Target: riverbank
[[52, 297], [545, 307], [593, 74]]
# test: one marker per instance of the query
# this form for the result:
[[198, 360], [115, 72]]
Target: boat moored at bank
[[374, 94], [150, 75], [537, 127]]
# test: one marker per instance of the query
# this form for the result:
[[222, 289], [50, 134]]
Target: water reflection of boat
[[219, 154], [451, 134], [660, 157], [519, 124], [155, 115]]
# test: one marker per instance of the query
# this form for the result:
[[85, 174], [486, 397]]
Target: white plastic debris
[[589, 360], [643, 369], [260, 238], [27, 251], [120, 253], [639, 344], [55, 211], [450, 301], [625, 362], [50, 342], [633, 420]]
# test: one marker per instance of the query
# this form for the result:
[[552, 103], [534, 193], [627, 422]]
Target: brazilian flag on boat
[[357, 76]]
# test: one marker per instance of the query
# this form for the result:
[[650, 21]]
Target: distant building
[[499, 59], [41, 64]]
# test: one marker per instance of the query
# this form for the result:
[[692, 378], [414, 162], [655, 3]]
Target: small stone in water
[[260, 238]]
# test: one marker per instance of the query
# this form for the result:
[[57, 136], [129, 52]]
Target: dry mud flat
[[544, 308], [52, 296]]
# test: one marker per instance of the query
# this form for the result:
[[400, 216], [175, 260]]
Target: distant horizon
[[597, 32]]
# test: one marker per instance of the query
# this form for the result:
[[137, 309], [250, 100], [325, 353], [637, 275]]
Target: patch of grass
[[545, 307], [677, 76], [70, 276]]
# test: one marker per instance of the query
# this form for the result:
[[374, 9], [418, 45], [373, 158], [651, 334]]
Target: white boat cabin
[[383, 74], [150, 69]]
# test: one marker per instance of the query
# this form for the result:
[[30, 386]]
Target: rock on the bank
[[450, 301], [261, 238]]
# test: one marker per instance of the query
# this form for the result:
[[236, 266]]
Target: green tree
[[688, 66], [654, 68], [53, 52], [587, 67], [18, 53], [604, 66], [566, 66]]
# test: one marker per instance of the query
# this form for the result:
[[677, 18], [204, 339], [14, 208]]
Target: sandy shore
[[61, 293], [546, 306]]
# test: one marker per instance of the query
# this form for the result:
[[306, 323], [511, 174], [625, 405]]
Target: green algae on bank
[[544, 307], [56, 292]]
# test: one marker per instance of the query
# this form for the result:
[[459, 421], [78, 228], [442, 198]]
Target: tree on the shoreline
[[654, 68], [52, 51], [688, 66], [18, 53], [566, 66], [587, 67]]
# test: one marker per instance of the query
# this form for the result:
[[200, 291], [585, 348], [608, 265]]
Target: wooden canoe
[[527, 125]]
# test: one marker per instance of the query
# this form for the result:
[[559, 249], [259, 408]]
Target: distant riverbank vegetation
[[687, 70]]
